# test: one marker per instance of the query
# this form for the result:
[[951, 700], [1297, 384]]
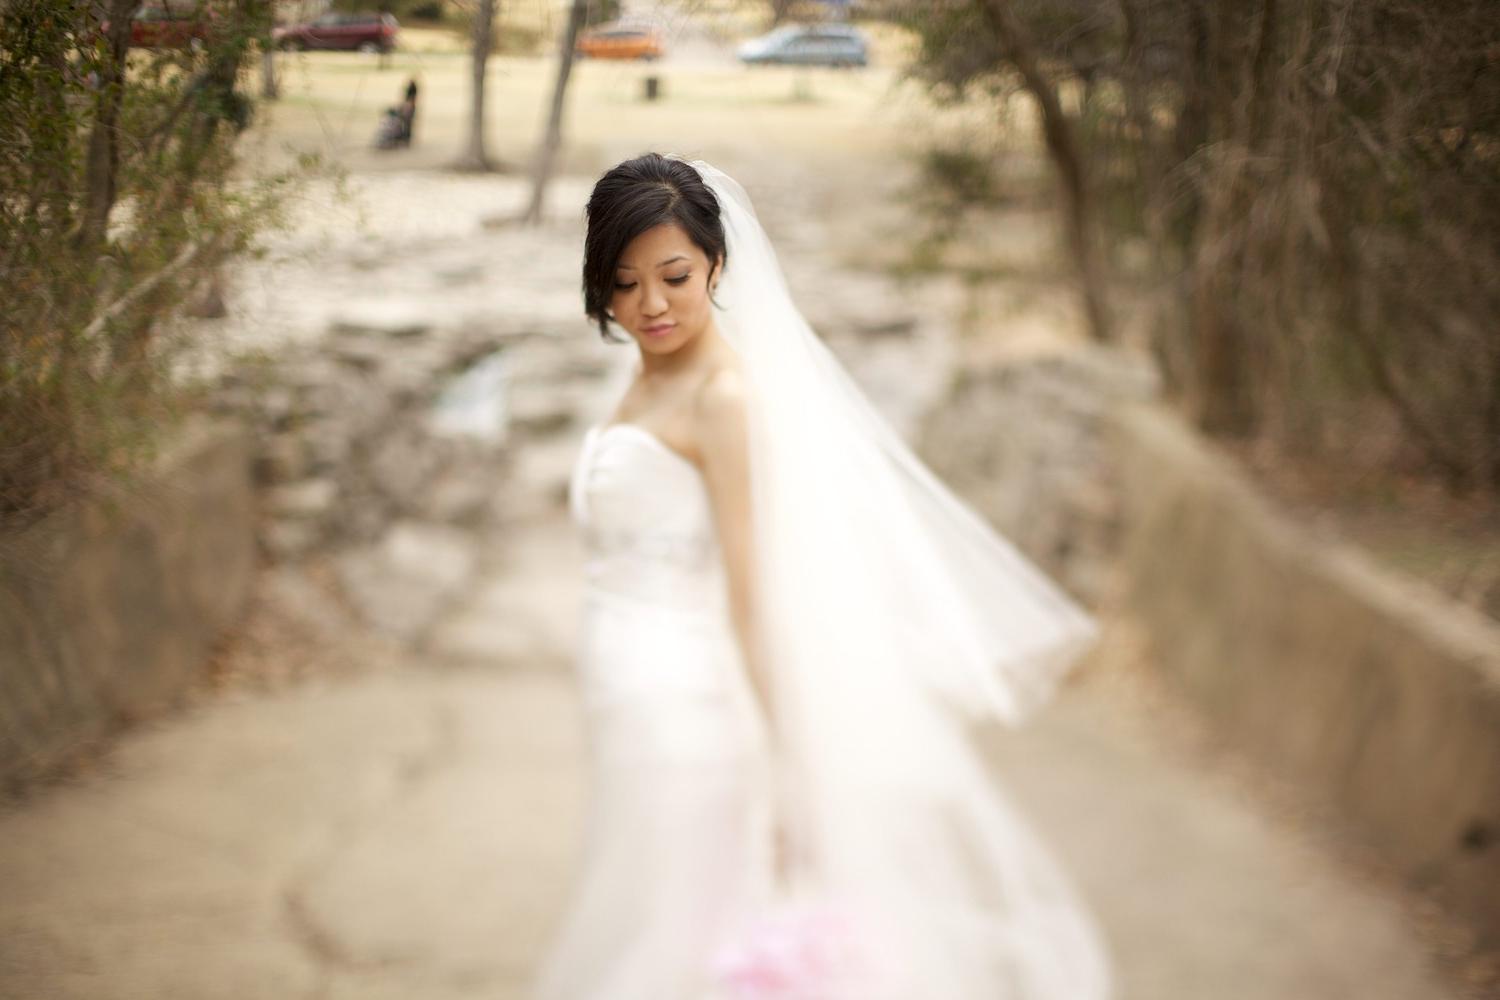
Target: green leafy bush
[[115, 203]]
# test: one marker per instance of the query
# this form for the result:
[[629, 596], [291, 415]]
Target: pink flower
[[799, 951]]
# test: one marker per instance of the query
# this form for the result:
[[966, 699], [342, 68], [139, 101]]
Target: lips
[[659, 329]]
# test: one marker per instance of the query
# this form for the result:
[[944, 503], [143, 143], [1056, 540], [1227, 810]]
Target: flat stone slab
[[391, 317], [1201, 891], [523, 614], [335, 838], [403, 582], [412, 833]]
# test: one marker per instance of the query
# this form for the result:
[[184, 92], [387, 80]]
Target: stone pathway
[[408, 829], [410, 833]]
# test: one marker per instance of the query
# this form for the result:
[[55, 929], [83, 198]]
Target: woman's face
[[661, 289]]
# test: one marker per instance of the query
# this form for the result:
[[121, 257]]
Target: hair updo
[[634, 196]]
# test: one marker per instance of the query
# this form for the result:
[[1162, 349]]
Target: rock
[[368, 407], [884, 328], [473, 405], [538, 481], [328, 444], [311, 498], [364, 517], [277, 406], [464, 493], [405, 581], [363, 353], [302, 373], [384, 317], [525, 616], [293, 593], [283, 458], [290, 539], [413, 374], [1022, 440], [546, 408], [323, 398], [386, 382], [236, 399], [459, 274], [403, 463]]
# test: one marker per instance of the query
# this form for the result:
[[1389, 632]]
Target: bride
[[788, 624]]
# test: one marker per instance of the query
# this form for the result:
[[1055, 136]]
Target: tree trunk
[[1225, 352], [547, 155], [1138, 109], [270, 89], [1219, 398], [102, 161], [1194, 121], [1062, 146], [476, 157], [1262, 67]]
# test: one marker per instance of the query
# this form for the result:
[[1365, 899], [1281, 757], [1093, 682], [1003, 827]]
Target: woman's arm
[[725, 448], [726, 470]]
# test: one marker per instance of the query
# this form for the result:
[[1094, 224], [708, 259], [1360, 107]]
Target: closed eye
[[680, 279]]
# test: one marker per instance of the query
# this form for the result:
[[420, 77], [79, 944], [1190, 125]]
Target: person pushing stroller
[[396, 124]]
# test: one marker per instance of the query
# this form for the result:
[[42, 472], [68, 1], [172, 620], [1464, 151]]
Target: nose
[[655, 303]]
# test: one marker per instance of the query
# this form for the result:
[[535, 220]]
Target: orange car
[[621, 41]]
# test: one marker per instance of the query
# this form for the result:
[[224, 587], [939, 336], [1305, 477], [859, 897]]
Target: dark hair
[[634, 196]]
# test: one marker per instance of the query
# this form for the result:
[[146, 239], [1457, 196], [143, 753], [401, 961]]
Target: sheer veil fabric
[[891, 616]]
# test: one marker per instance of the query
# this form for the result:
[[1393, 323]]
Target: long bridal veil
[[890, 616]]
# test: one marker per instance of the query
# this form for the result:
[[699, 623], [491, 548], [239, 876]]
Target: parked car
[[358, 32], [807, 45], [168, 26], [621, 40]]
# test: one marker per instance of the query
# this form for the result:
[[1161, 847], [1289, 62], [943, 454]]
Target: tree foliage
[[1317, 184], [114, 202]]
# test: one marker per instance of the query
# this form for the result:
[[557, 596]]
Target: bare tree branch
[[1066, 158]]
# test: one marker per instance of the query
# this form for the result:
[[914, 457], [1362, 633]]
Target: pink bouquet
[[803, 950]]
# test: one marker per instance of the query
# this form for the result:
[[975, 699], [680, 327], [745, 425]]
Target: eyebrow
[[627, 267]]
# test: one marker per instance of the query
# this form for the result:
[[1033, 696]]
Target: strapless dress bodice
[[647, 526]]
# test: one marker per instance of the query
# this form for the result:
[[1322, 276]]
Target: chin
[[666, 346]]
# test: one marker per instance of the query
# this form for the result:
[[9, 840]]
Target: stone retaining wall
[[108, 608], [391, 451], [1375, 696], [347, 441], [1025, 442]]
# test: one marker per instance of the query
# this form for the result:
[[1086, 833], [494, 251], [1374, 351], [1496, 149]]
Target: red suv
[[164, 25], [355, 32]]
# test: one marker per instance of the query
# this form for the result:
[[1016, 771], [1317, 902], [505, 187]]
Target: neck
[[689, 356]]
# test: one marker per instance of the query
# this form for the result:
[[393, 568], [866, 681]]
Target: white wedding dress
[[677, 838], [677, 842]]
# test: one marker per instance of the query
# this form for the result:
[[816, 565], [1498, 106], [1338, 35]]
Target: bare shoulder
[[722, 409], [722, 395]]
